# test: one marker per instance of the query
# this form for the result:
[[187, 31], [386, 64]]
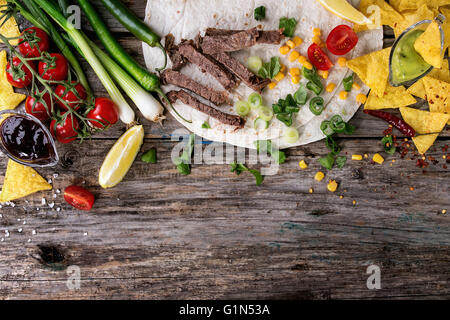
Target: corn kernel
[[357, 157], [330, 87], [342, 62], [294, 56], [366, 156], [343, 95], [302, 164], [378, 158], [332, 186], [295, 79], [279, 77], [317, 32], [283, 68], [302, 59], [444, 211], [272, 85], [354, 202], [311, 190], [324, 74], [284, 50], [317, 40], [308, 65], [290, 44], [361, 98], [298, 41], [356, 86], [411, 188], [294, 72], [319, 176]]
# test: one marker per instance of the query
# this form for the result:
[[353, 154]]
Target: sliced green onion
[[265, 113], [261, 124], [337, 124], [290, 135], [255, 100], [242, 108], [254, 63], [326, 128], [316, 105]]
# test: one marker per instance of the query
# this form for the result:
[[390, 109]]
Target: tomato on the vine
[[39, 106], [341, 40], [73, 93], [18, 75], [65, 131], [104, 113], [318, 58], [34, 42], [79, 197], [54, 67]]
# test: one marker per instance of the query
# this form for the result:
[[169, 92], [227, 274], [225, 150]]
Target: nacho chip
[[8, 98], [394, 97], [21, 181], [446, 28], [438, 95], [389, 16], [404, 5], [418, 90], [428, 45], [424, 122], [10, 28], [412, 17]]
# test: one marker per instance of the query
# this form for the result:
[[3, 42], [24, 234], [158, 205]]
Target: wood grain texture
[[159, 235]]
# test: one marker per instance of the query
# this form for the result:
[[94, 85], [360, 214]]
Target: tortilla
[[373, 70], [429, 45], [10, 28], [186, 19], [394, 97], [8, 98], [446, 28], [411, 17], [388, 15], [21, 181], [405, 5], [418, 90], [438, 95]]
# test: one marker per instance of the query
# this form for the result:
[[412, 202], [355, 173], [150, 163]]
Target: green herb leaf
[[288, 25], [265, 146], [206, 125], [260, 13], [183, 162], [332, 145], [238, 168], [258, 176], [328, 161], [149, 156], [349, 129], [341, 161], [270, 69], [348, 83], [388, 144], [301, 95]]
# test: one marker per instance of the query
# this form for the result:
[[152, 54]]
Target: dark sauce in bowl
[[26, 140]]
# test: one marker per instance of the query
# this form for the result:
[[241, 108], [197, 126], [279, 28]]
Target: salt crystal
[[12, 204], [20, 230], [55, 175], [33, 232], [54, 196], [43, 201], [49, 181], [58, 191], [24, 222], [29, 240], [58, 209], [2, 239], [85, 234], [51, 205]]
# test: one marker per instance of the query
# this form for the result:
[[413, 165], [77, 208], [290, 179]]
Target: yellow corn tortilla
[[21, 181], [438, 95], [411, 17], [10, 28], [389, 16], [427, 126], [405, 5], [373, 70], [428, 45], [8, 98], [446, 27], [418, 90], [394, 97]]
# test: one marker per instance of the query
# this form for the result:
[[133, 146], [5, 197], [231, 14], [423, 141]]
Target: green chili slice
[[314, 87], [337, 124], [316, 105], [326, 128]]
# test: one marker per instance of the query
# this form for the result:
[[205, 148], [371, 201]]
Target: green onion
[[149, 156], [254, 63], [326, 128], [316, 105], [260, 124], [265, 113], [255, 100], [290, 135], [242, 108]]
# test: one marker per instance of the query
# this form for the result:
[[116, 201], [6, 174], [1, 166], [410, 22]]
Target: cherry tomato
[[19, 75], [39, 106], [34, 42], [79, 197], [56, 70], [318, 58], [104, 114], [74, 94], [66, 130], [341, 40]]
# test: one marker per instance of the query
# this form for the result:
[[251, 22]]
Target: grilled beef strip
[[230, 42], [264, 37], [208, 64], [223, 117], [177, 59], [239, 70], [177, 78]]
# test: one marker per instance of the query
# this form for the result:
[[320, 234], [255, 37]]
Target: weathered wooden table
[[159, 235]]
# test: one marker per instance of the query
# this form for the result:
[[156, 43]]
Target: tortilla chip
[[412, 17], [438, 95], [404, 5], [10, 28], [8, 98], [373, 70], [446, 28], [394, 97], [21, 181], [428, 45], [389, 16], [424, 122], [418, 90]]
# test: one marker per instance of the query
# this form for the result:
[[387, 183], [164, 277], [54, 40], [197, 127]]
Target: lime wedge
[[345, 10]]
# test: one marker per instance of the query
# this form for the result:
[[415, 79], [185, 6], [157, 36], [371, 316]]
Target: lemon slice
[[121, 157], [345, 10]]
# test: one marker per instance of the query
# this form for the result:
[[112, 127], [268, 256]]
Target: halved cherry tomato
[[39, 106], [318, 58], [104, 114], [341, 40], [74, 94], [34, 42], [79, 197], [65, 131], [19, 75], [56, 70]]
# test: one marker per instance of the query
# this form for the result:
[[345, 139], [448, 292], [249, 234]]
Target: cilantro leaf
[[206, 125], [270, 69], [341, 161], [260, 13], [265, 146], [149, 156], [288, 26], [348, 83], [183, 162], [238, 168], [388, 144]]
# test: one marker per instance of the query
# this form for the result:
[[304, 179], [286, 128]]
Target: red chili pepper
[[401, 125]]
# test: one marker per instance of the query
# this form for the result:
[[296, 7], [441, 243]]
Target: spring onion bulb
[[260, 124], [290, 135], [242, 108], [254, 63], [255, 100], [265, 113]]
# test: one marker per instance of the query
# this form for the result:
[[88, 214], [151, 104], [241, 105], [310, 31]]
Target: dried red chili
[[395, 121]]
